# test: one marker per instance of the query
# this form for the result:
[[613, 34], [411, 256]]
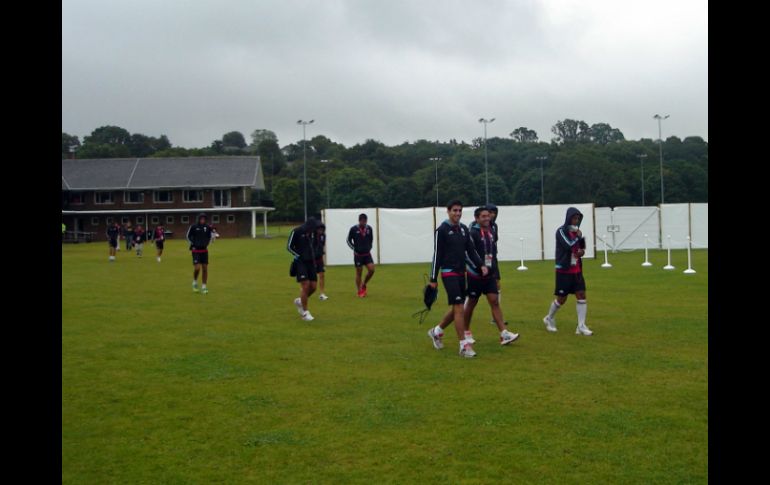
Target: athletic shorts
[[569, 283], [455, 289], [159, 244], [481, 286], [319, 266], [113, 243], [362, 260], [200, 258], [306, 271]]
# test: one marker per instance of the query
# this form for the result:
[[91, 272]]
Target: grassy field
[[162, 385]]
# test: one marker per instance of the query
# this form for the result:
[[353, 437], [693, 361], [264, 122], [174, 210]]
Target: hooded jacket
[[360, 240], [452, 248], [566, 241], [302, 241], [482, 247]]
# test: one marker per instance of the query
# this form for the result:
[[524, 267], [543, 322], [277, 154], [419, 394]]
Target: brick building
[[146, 191]]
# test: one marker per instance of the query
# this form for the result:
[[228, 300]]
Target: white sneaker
[[306, 316], [323, 297], [583, 330], [466, 350], [298, 304], [158, 258], [470, 339], [195, 287], [437, 343], [507, 337], [550, 323]]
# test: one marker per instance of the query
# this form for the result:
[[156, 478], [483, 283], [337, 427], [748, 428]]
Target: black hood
[[310, 225], [571, 212]]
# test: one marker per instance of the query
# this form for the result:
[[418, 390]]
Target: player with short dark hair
[[360, 239], [159, 236], [301, 245], [199, 236], [320, 249], [452, 247], [140, 236], [113, 233], [570, 248]]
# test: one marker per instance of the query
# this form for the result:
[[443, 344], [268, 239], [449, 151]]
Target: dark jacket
[[319, 241], [302, 241], [481, 248], [140, 236], [199, 236], [113, 232], [565, 241], [360, 243], [493, 226], [452, 247]]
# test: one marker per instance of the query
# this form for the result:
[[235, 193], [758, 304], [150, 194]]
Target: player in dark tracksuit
[[452, 248], [301, 245], [113, 233], [570, 248], [140, 236], [319, 249], [484, 241], [360, 239], [200, 236]]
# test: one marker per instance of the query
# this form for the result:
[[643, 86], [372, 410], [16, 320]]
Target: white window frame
[[154, 220], [186, 193], [222, 192], [231, 218], [110, 221], [185, 219], [94, 221], [96, 197], [169, 219], [215, 219], [139, 220], [155, 197], [127, 192]]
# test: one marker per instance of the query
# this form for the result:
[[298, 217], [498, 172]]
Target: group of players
[[465, 259], [135, 239]]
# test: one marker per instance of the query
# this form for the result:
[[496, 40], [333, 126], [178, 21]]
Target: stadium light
[[436, 159], [304, 158], [642, 156], [328, 196], [486, 161], [660, 144]]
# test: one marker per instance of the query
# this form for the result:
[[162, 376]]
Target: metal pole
[[436, 182], [486, 164], [304, 165], [660, 147], [642, 156]]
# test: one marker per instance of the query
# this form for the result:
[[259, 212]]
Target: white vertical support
[[253, 224], [264, 220]]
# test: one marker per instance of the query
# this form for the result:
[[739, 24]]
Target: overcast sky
[[392, 70]]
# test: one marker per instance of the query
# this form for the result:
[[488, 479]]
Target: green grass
[[161, 385]]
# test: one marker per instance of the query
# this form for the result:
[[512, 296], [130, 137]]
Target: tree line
[[581, 163]]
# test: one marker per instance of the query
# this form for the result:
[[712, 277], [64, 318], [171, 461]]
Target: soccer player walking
[[452, 245], [301, 245], [113, 233], [139, 238], [159, 236], [319, 250], [200, 236], [360, 239], [570, 248]]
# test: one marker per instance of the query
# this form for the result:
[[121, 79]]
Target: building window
[[215, 219], [139, 220], [185, 219], [94, 221], [154, 220], [109, 221], [169, 219], [124, 220], [230, 218], [133, 197], [192, 196], [76, 198], [222, 198], [103, 198], [163, 196]]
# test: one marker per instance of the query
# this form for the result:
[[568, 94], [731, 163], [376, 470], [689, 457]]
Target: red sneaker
[[363, 291]]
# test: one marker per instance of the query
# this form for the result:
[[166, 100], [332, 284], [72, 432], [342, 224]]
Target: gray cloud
[[393, 71]]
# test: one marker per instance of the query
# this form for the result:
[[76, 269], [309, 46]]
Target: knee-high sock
[[554, 308], [581, 308]]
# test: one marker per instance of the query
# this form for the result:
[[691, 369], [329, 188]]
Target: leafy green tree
[[524, 135], [571, 131], [233, 139], [68, 142], [604, 134]]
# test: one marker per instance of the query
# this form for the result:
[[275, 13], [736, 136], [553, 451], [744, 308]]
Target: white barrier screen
[[674, 220], [515, 222], [553, 218], [406, 235], [699, 225], [338, 223], [634, 223]]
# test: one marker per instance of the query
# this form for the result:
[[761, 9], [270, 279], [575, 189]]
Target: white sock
[[438, 331], [204, 285], [468, 334], [195, 283], [580, 306], [554, 308]]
